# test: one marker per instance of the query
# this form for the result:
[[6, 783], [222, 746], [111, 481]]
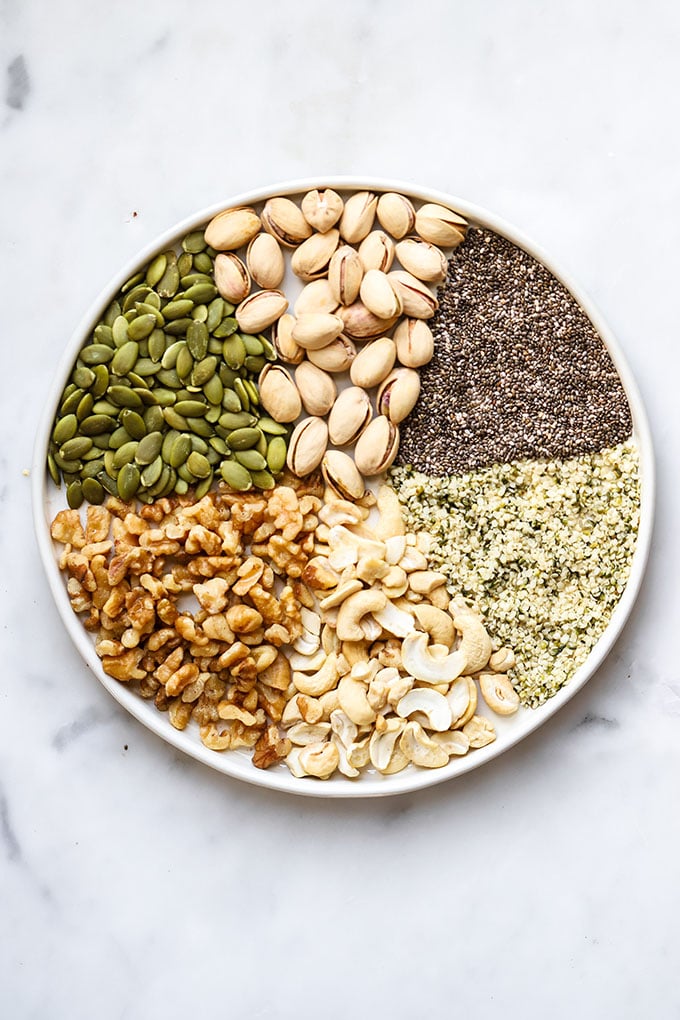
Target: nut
[[264, 259], [439, 225], [350, 416], [423, 665], [354, 609], [417, 299], [315, 330], [362, 324], [316, 388], [336, 357], [353, 696], [398, 393], [316, 296], [420, 749], [260, 310], [278, 393], [232, 228], [423, 260], [376, 251], [358, 215], [479, 731], [307, 446], [428, 703], [322, 209], [231, 277], [342, 475], [498, 693], [282, 338], [379, 296], [414, 342], [373, 363], [377, 447], [311, 259], [320, 760], [283, 220], [345, 273], [396, 214]]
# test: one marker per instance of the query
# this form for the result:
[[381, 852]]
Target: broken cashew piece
[[395, 621], [320, 760], [391, 522], [479, 731], [354, 608], [453, 741], [498, 693], [420, 663], [354, 702], [430, 704], [304, 733], [419, 749], [320, 682], [382, 745], [436, 623]]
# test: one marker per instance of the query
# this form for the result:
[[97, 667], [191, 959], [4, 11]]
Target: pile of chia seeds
[[518, 371]]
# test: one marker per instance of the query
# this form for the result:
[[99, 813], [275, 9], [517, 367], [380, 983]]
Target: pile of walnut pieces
[[130, 569]]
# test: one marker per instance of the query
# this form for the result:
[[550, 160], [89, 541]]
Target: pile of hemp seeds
[[518, 460]]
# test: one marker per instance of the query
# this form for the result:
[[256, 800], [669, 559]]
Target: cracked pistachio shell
[[232, 228], [310, 260], [349, 416], [337, 357], [282, 338], [415, 343], [264, 259], [260, 310], [278, 393], [417, 299], [315, 330], [373, 363], [342, 475], [423, 260], [379, 295], [322, 209], [282, 218], [438, 225], [316, 388], [307, 446], [358, 216], [231, 278], [377, 448], [345, 273], [398, 394], [396, 214], [376, 251], [362, 324], [316, 296]]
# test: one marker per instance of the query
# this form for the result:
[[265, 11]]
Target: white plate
[[47, 500]]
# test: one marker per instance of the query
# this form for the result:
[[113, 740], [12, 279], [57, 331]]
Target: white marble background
[[135, 883]]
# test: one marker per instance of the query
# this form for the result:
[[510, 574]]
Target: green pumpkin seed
[[239, 420], [168, 379], [70, 403], [236, 476], [125, 357], [178, 327], [146, 396], [177, 309], [252, 344], [214, 458], [156, 270], [158, 486], [92, 468], [213, 390], [185, 474], [204, 370], [216, 312], [273, 428], [96, 354], [103, 335], [145, 367], [149, 448], [181, 487], [204, 486], [105, 407], [148, 308], [268, 349], [128, 481], [200, 293], [244, 439], [191, 408], [124, 397], [152, 472], [101, 381], [276, 454], [74, 449], [185, 263], [157, 343], [196, 277], [230, 401], [199, 445], [262, 479], [226, 328], [74, 495], [242, 394], [138, 293], [213, 414], [199, 465], [117, 438], [174, 420], [200, 426], [112, 313], [251, 459], [254, 365], [65, 429], [68, 467], [93, 491], [252, 391], [153, 419], [132, 282], [120, 331], [53, 470], [85, 405], [125, 454], [197, 340], [261, 446], [169, 359], [203, 263], [109, 465], [142, 326], [168, 285], [219, 446], [84, 377], [102, 441], [133, 423], [164, 397], [95, 424], [184, 364], [194, 242], [200, 313], [180, 450]]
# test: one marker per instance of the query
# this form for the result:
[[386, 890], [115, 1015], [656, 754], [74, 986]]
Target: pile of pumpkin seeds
[[163, 396]]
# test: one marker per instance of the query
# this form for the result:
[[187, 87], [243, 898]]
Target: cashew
[[433, 706], [395, 621], [371, 568], [320, 760], [340, 511], [329, 703], [395, 547], [440, 598], [364, 671], [453, 741], [472, 705], [390, 655], [420, 664], [436, 623], [318, 683], [343, 727], [413, 559], [307, 663], [355, 651], [311, 621], [424, 581], [475, 645], [395, 582], [458, 698], [418, 748], [502, 660], [381, 745], [343, 763], [329, 640], [354, 608], [301, 708], [391, 521], [371, 628], [358, 753], [292, 760], [377, 694], [354, 701], [307, 643], [479, 731], [342, 592], [304, 733], [498, 693], [397, 685]]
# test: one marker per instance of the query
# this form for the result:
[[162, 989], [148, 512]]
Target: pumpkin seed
[[168, 285], [181, 487], [203, 486], [124, 396], [142, 326], [153, 419], [65, 429], [242, 394], [93, 491], [92, 468], [149, 308], [262, 479], [219, 445], [164, 397], [156, 270], [213, 390], [131, 282], [203, 263], [128, 481], [180, 450], [273, 428], [117, 438], [105, 407], [252, 391], [194, 242], [103, 335], [83, 377], [68, 467], [85, 405], [200, 313], [178, 308], [156, 348], [133, 423], [244, 439], [125, 357], [196, 277], [199, 465], [199, 293], [108, 482], [200, 426], [177, 327], [230, 401], [111, 313], [101, 381], [120, 331], [197, 340], [238, 420], [174, 420], [185, 363], [199, 445], [149, 448], [96, 354], [252, 344], [144, 368], [227, 326], [276, 454], [204, 370], [216, 313], [251, 459], [191, 408], [74, 449], [152, 472], [125, 454], [74, 495], [70, 403], [109, 465], [138, 293], [236, 476], [95, 424], [254, 365]]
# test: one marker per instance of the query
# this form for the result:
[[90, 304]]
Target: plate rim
[[238, 766]]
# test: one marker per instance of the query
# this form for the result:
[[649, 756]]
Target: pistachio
[[315, 330], [350, 416], [260, 310], [316, 388], [310, 260], [423, 260], [373, 363], [232, 229], [396, 214], [345, 272], [417, 299], [278, 393], [439, 225], [358, 216], [322, 209], [283, 220], [231, 278], [377, 447], [376, 251], [415, 342], [342, 475], [316, 296], [282, 338], [264, 259], [362, 324], [379, 296], [337, 357], [307, 446], [398, 394]]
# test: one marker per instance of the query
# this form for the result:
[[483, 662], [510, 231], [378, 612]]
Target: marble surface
[[134, 882]]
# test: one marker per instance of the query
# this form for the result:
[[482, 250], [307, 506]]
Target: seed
[[251, 459], [226, 327], [123, 396], [149, 308], [178, 308], [276, 454], [149, 448], [157, 345], [142, 326], [272, 427], [109, 465], [112, 312], [191, 408], [164, 397], [199, 445], [93, 467], [262, 479], [203, 486], [74, 495], [54, 470], [204, 370], [213, 390], [199, 293], [128, 481], [157, 487], [125, 454], [83, 377], [101, 381], [196, 277], [109, 483], [254, 365], [242, 393], [144, 368], [252, 345], [202, 262], [236, 476], [244, 438], [93, 491], [156, 269], [65, 429], [234, 352], [197, 340], [200, 426], [216, 313], [96, 354], [120, 331], [152, 472], [74, 449], [177, 327], [181, 487], [103, 440], [194, 242], [180, 450], [174, 420], [131, 282], [95, 424], [103, 335], [68, 467], [154, 420], [199, 465], [168, 285], [85, 405], [200, 313], [133, 423], [70, 403], [184, 364]]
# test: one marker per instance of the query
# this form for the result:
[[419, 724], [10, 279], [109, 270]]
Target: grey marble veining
[[136, 883]]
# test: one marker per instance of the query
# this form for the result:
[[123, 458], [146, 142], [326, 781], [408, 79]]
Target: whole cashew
[[318, 683], [475, 645], [436, 623], [353, 697], [355, 607], [418, 661]]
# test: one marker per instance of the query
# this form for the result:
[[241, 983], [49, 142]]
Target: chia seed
[[519, 371]]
